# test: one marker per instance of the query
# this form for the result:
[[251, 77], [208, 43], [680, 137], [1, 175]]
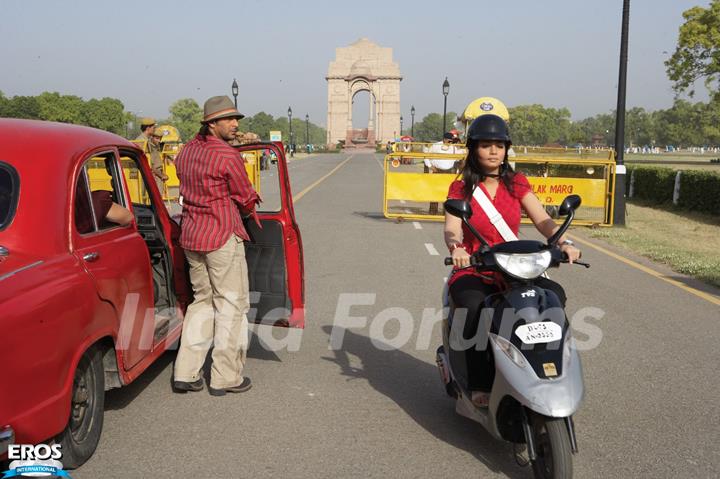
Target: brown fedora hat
[[219, 107]]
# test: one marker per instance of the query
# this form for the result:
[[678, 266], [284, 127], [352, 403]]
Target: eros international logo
[[39, 460]]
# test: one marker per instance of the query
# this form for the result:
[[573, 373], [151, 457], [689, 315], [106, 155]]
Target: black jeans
[[472, 368]]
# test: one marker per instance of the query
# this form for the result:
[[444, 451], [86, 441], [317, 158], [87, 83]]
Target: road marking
[[417, 225], [379, 164], [700, 294], [431, 249], [297, 197]]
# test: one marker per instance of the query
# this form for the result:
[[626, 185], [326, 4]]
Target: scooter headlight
[[509, 349], [525, 265]]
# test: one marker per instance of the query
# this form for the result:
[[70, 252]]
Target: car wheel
[[87, 403]]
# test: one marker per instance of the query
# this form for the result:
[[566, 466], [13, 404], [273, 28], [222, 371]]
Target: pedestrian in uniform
[[154, 148], [147, 128], [216, 193]]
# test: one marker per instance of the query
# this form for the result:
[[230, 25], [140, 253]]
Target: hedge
[[654, 184], [699, 190]]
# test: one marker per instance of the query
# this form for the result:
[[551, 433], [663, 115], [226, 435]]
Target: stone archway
[[363, 66]]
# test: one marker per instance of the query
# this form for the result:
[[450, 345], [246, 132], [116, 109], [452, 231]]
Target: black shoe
[[184, 386], [241, 388]]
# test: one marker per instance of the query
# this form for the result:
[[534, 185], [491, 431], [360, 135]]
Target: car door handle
[[90, 257]]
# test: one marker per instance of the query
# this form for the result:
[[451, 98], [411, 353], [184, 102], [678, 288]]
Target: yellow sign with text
[[551, 191]]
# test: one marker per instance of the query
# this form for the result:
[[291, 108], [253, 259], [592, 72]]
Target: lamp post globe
[[307, 132], [235, 91], [290, 139], [446, 91], [412, 121]]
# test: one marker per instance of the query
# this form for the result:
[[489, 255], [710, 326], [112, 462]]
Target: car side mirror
[[571, 202], [458, 208]]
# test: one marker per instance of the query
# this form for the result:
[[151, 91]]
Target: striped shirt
[[215, 192]]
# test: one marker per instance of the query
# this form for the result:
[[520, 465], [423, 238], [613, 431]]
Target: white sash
[[492, 213]]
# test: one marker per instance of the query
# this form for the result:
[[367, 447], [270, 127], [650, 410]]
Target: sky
[[558, 53]]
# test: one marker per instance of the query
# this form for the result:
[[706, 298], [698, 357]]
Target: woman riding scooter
[[486, 169]]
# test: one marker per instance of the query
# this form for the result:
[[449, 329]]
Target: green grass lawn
[[689, 243]]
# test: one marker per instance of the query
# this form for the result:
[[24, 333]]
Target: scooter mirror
[[571, 202], [458, 208]]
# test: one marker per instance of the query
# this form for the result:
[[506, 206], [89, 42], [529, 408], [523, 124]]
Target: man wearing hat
[[216, 193], [147, 128], [154, 148]]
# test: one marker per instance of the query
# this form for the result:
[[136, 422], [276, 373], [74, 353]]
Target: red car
[[86, 304]]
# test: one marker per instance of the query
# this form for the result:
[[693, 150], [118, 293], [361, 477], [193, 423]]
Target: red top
[[508, 205], [215, 191]]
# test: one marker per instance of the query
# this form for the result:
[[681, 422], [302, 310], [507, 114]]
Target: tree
[[107, 114], [186, 115], [62, 108], [262, 123], [537, 125], [20, 107], [430, 127], [697, 55]]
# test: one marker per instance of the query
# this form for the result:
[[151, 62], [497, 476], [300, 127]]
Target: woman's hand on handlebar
[[571, 253], [460, 258]]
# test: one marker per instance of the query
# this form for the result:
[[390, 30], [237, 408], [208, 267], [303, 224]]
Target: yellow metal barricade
[[172, 185], [412, 191], [101, 180], [252, 166]]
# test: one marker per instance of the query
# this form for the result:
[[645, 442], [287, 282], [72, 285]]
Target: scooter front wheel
[[553, 451]]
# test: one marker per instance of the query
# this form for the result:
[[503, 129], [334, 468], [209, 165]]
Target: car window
[[9, 190], [98, 186], [261, 166], [136, 182]]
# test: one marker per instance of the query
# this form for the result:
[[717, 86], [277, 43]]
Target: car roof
[[45, 141]]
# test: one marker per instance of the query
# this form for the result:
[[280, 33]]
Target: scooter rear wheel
[[553, 451]]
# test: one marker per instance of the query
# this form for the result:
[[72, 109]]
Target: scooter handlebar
[[473, 260]]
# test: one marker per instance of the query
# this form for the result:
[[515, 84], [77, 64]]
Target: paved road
[[651, 407]]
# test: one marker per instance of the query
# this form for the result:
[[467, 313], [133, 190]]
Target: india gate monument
[[363, 66]]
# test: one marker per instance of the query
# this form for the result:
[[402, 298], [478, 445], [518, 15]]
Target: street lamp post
[[619, 210], [290, 140], [307, 132], [235, 91], [401, 121], [412, 121], [446, 90]]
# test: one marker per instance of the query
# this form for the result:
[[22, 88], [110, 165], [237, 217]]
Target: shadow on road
[[415, 386], [120, 398], [372, 215], [696, 284]]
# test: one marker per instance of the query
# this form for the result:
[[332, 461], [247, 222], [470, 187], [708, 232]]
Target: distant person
[[147, 128], [154, 148], [446, 147]]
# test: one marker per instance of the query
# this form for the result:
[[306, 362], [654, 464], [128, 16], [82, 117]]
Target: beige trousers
[[217, 317]]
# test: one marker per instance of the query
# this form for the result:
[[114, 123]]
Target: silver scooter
[[529, 353]]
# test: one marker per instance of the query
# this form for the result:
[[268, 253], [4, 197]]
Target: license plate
[[542, 332]]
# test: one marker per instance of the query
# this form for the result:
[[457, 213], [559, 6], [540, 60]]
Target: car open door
[[274, 254]]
